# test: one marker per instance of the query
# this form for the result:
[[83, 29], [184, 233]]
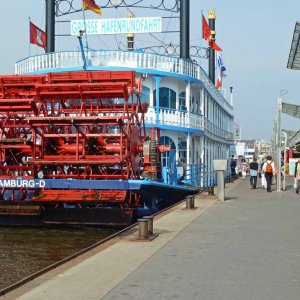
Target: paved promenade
[[245, 248]]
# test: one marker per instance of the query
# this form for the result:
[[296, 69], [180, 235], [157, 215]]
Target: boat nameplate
[[117, 26]]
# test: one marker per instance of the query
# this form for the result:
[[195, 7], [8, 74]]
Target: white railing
[[174, 118], [189, 120], [134, 60], [217, 133]]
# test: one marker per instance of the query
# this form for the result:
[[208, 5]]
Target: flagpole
[[29, 54], [201, 39], [85, 34], [217, 63]]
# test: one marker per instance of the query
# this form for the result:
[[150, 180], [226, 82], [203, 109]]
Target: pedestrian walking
[[233, 166], [244, 169], [268, 169], [297, 176], [282, 169], [253, 173], [262, 175]]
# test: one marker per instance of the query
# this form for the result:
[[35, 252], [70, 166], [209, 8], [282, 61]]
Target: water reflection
[[24, 251]]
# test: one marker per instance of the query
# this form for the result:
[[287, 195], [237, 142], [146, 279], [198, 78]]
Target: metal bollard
[[189, 200], [150, 224], [143, 229]]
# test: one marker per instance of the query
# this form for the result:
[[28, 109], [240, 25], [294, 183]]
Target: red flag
[[91, 5], [37, 36], [206, 35], [213, 45], [205, 29], [219, 83]]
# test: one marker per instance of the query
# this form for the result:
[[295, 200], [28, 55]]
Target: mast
[[212, 52], [185, 29], [50, 26], [130, 36]]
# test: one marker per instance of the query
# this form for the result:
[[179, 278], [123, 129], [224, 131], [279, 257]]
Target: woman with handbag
[[262, 175]]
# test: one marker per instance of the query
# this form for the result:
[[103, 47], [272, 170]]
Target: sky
[[255, 37]]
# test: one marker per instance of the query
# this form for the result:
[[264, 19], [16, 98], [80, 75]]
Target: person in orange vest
[[269, 170]]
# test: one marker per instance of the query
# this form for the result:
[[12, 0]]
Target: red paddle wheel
[[72, 125]]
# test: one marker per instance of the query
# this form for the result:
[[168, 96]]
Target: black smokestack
[[50, 25], [185, 29], [212, 52]]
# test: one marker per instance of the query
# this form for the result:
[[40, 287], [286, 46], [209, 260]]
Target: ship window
[[167, 98], [145, 95], [182, 105], [182, 149], [165, 140]]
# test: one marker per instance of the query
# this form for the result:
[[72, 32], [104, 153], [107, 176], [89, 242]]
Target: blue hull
[[155, 196]]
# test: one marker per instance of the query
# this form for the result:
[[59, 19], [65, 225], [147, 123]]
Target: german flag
[[91, 5]]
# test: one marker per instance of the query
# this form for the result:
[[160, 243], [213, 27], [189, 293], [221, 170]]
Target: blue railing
[[193, 174], [212, 179], [189, 175]]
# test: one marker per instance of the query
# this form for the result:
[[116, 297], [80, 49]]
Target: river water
[[24, 251]]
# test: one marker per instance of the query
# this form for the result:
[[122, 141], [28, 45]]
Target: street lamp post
[[279, 110], [274, 139], [278, 135], [284, 162]]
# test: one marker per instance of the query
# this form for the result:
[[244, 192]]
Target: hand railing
[[173, 117]]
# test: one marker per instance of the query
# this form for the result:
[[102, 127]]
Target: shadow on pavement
[[230, 198]]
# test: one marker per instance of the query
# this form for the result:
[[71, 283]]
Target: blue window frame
[[165, 140], [182, 146], [182, 102], [167, 98]]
